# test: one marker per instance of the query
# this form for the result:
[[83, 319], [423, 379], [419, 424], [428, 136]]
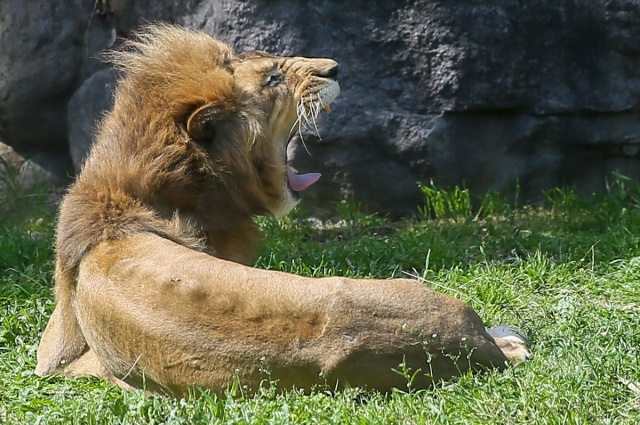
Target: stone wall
[[482, 93]]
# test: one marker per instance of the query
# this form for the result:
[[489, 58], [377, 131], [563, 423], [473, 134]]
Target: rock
[[86, 107], [48, 169], [42, 168], [10, 163], [42, 50], [9, 158], [489, 95]]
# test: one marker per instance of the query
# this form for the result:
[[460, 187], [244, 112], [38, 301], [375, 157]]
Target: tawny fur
[[152, 236]]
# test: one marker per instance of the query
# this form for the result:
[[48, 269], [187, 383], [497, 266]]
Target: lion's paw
[[512, 343]]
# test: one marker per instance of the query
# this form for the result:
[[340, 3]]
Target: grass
[[567, 273]]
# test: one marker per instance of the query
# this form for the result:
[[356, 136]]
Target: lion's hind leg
[[63, 349], [512, 343]]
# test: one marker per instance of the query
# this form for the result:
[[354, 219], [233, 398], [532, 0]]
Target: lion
[[153, 283]]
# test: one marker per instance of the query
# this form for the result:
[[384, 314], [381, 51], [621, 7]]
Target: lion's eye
[[274, 79]]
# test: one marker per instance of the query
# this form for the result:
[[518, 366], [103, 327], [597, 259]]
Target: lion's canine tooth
[[326, 108]]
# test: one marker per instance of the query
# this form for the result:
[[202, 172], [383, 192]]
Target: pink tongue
[[302, 181]]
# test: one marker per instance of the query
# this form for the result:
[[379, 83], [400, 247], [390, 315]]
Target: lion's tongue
[[302, 181]]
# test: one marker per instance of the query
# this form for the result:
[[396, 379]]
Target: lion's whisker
[[309, 113], [316, 113], [302, 119], [297, 121], [307, 118]]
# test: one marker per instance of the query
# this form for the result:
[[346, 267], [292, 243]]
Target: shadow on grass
[[565, 228]]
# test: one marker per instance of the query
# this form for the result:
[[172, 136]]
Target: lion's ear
[[201, 124]]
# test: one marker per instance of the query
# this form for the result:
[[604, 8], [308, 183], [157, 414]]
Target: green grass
[[567, 273]]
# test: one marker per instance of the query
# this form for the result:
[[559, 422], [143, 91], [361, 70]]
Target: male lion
[[151, 288]]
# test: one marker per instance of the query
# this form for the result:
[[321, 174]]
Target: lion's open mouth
[[308, 112]]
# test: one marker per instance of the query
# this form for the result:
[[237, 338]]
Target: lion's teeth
[[326, 108]]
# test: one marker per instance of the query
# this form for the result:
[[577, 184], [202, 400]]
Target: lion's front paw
[[512, 343]]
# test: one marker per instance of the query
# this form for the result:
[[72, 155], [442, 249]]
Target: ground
[[567, 273]]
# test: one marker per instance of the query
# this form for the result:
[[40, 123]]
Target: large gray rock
[[487, 94], [490, 95], [42, 168], [41, 48], [86, 107]]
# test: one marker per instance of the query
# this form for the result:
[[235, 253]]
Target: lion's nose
[[330, 71], [333, 72]]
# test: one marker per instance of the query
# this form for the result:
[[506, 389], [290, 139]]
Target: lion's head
[[236, 111], [286, 92], [195, 145]]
